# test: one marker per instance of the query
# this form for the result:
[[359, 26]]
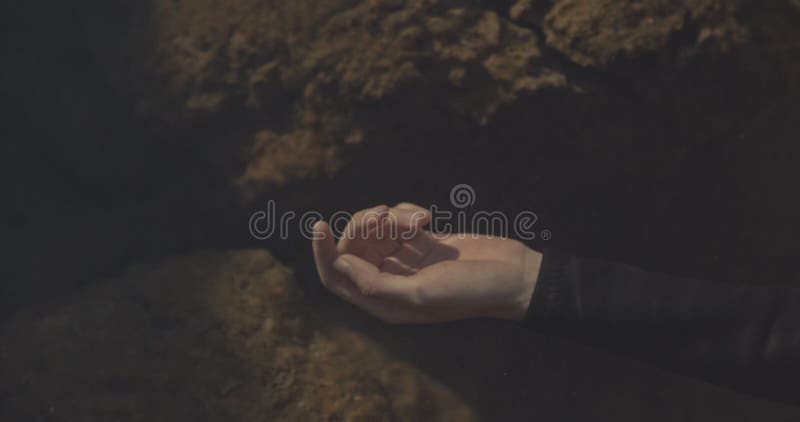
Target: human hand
[[388, 266]]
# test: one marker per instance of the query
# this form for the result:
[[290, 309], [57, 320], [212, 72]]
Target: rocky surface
[[284, 91], [209, 336], [301, 73], [230, 337], [599, 33], [658, 133]]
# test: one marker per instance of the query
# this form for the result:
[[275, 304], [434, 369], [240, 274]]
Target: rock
[[287, 91], [599, 33], [276, 159], [208, 336], [229, 387], [530, 12], [595, 33], [269, 63]]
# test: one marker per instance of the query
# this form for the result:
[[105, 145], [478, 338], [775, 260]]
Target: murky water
[[143, 135]]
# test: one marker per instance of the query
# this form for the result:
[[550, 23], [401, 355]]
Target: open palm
[[387, 265]]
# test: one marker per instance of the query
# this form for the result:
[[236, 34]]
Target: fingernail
[[341, 264]]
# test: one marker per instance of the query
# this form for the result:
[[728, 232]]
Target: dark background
[[690, 171]]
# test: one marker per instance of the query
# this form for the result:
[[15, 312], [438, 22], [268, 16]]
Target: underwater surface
[[140, 137]]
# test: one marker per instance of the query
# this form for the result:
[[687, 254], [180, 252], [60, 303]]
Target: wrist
[[531, 266], [515, 305]]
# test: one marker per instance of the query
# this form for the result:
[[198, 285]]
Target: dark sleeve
[[742, 336]]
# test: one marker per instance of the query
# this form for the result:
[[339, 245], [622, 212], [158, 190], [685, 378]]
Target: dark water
[[710, 191]]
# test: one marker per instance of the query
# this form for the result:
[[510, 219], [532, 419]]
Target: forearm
[[738, 335]]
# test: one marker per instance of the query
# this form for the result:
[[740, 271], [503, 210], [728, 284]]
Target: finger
[[361, 226], [324, 246], [408, 206], [362, 221], [405, 215], [374, 247], [407, 255], [380, 242], [418, 252], [368, 237], [394, 266], [325, 254], [371, 282], [426, 243], [401, 225]]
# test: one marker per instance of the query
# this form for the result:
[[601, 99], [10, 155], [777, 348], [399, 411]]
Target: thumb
[[360, 272], [324, 246]]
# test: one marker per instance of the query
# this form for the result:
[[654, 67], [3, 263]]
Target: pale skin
[[389, 266]]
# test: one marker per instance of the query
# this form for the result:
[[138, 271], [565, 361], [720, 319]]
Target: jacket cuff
[[551, 290]]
